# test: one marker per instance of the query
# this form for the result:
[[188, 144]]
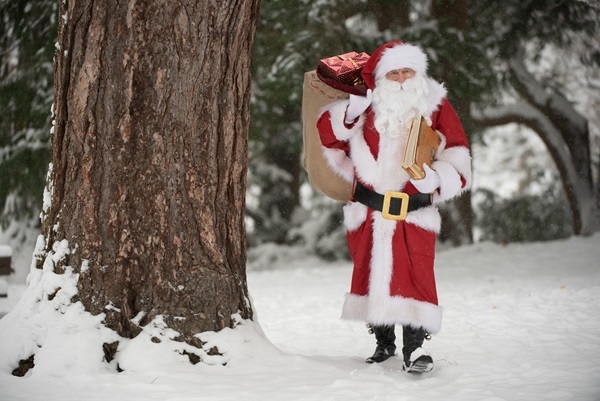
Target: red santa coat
[[393, 280]]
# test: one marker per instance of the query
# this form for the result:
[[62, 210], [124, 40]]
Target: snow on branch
[[525, 114], [578, 191], [537, 94]]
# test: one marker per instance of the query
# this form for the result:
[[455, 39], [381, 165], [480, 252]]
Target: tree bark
[[390, 14], [149, 160]]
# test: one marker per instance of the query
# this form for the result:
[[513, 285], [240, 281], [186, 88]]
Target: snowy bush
[[523, 218]]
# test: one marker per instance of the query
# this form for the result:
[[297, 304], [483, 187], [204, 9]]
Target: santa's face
[[397, 100]]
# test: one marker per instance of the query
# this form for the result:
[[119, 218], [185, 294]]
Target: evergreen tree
[[27, 37]]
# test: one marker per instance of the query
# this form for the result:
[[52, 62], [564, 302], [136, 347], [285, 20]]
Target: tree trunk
[[390, 14], [149, 160]]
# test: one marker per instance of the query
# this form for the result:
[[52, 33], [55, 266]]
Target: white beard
[[396, 104]]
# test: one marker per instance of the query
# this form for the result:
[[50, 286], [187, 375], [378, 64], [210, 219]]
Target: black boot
[[416, 359], [386, 346]]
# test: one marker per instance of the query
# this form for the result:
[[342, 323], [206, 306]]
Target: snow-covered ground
[[521, 322]]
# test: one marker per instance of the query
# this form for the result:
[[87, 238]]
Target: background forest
[[522, 74]]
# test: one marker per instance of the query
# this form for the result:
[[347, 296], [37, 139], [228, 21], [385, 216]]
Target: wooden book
[[421, 146]]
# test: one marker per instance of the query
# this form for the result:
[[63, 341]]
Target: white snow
[[48, 190], [521, 322], [3, 287], [5, 251]]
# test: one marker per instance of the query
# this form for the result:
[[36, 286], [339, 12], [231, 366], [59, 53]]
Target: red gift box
[[342, 72]]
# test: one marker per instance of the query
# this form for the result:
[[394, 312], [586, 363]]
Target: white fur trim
[[401, 56], [435, 94], [452, 165], [382, 262], [450, 183], [337, 111], [393, 310], [460, 158], [364, 162], [355, 215], [339, 163], [428, 218]]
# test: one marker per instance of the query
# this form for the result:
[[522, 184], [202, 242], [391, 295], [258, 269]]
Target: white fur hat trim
[[401, 56]]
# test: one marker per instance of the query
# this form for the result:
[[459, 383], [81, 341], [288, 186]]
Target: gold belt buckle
[[387, 200]]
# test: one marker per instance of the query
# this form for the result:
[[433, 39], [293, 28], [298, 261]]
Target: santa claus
[[393, 279]]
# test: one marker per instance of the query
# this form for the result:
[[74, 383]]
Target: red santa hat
[[393, 55]]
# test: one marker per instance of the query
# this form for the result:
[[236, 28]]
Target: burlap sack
[[321, 176]]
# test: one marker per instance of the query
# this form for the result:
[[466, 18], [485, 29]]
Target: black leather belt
[[392, 205]]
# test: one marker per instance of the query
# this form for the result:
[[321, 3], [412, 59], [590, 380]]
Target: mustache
[[393, 86]]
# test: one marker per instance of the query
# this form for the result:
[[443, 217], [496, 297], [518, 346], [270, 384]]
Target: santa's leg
[[416, 359], [386, 346]]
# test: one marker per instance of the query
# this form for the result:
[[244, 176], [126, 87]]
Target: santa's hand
[[357, 106], [428, 184]]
